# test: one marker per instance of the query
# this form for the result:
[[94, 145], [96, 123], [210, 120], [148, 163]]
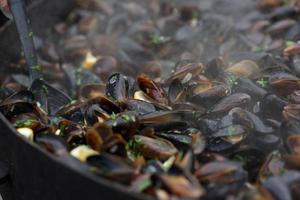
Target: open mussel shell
[[292, 161], [208, 96], [154, 148], [293, 143], [91, 91], [218, 144], [29, 120], [246, 85], [50, 98], [251, 158], [140, 107], [232, 130], [190, 139], [246, 68], [94, 110], [284, 87], [292, 111], [117, 87], [229, 102], [161, 117], [272, 166], [181, 184], [125, 123], [272, 106], [17, 103], [6, 92], [295, 97], [250, 120], [181, 141], [73, 133], [111, 167], [22, 96], [284, 187], [233, 134], [223, 172], [101, 138], [152, 89], [94, 113], [105, 103], [198, 142], [201, 86], [94, 140], [215, 68], [177, 92], [185, 72], [52, 143], [72, 112], [266, 142]]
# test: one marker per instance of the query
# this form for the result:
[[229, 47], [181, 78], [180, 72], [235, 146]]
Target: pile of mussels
[[174, 99]]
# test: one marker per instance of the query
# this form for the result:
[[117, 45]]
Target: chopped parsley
[[262, 83], [24, 123], [30, 34], [37, 68], [231, 80], [62, 128], [157, 39], [113, 116], [132, 148], [113, 79], [144, 184], [45, 89], [231, 131], [128, 118]]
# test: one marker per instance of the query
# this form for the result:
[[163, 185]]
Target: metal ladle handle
[[17, 8]]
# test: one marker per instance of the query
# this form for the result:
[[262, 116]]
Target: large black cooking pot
[[34, 174]]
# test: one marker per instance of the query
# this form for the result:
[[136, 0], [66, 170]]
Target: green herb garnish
[[231, 131], [157, 39], [45, 89], [30, 34], [144, 184], [232, 80], [262, 83], [62, 128], [24, 123], [128, 118], [37, 68], [113, 79], [113, 116], [132, 148]]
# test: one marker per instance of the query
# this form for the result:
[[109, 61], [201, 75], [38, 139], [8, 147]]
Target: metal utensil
[[17, 8]]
